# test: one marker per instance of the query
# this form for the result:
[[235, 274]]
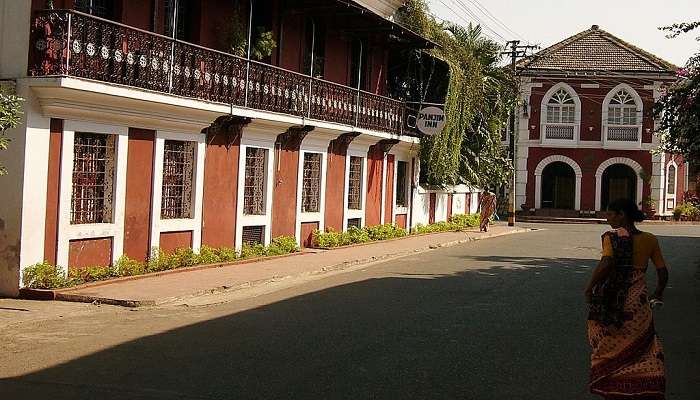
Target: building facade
[[586, 131], [141, 131]]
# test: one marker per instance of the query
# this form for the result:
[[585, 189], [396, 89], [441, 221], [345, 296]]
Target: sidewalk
[[149, 291]]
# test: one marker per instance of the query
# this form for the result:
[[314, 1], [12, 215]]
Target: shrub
[[466, 220], [357, 235], [687, 211], [252, 250], [330, 238], [282, 245], [125, 266], [226, 254], [384, 232], [44, 276], [207, 255], [91, 274]]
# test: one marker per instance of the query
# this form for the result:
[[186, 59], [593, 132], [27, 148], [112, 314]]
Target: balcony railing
[[70, 43], [559, 132], [623, 134]]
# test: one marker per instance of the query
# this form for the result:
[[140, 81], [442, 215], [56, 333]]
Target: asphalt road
[[497, 319]]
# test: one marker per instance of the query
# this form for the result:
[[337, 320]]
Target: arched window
[[622, 109], [671, 181], [561, 108]]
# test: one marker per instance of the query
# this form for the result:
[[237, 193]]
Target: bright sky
[[546, 22]]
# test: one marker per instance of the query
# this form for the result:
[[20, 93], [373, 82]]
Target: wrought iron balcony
[[70, 43], [559, 132], [623, 133]]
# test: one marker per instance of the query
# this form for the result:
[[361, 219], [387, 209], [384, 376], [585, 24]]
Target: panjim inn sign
[[431, 120]]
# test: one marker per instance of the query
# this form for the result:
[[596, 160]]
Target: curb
[[61, 295]]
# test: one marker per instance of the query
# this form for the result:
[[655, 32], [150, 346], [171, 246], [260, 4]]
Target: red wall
[[335, 185], [220, 191], [589, 160], [291, 46], [337, 66], [139, 180], [307, 231], [171, 241], [375, 165], [284, 198], [53, 186], [90, 253], [389, 196]]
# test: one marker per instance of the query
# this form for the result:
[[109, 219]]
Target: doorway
[[558, 186]]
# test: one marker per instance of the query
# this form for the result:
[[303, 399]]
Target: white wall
[[14, 38]]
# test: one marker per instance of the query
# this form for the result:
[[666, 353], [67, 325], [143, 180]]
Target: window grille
[[254, 185], [178, 177], [671, 181], [622, 109], [561, 108], [93, 178], [254, 235], [401, 175], [311, 190], [356, 222], [98, 8], [355, 184], [181, 19]]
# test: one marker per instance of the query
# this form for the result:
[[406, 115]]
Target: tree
[[10, 113], [678, 110], [479, 96]]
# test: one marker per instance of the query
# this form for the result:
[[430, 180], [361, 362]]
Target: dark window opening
[[93, 178], [182, 19], [318, 41], [311, 190], [355, 222], [253, 235], [178, 164], [558, 186], [254, 185], [401, 187], [355, 184], [98, 8], [358, 63]]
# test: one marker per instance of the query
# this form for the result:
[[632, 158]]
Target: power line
[[476, 19], [495, 19]]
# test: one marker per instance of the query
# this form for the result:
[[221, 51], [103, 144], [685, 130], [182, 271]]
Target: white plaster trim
[[115, 229], [590, 85], [591, 144], [668, 195], [255, 137], [577, 115], [311, 216], [640, 118], [538, 179], [355, 150], [610, 162], [194, 224]]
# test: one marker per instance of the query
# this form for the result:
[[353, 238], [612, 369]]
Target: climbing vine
[[479, 97]]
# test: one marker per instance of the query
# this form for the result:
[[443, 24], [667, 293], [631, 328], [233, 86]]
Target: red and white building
[[586, 130], [140, 131]]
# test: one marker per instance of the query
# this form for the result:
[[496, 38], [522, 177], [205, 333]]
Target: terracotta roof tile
[[596, 50]]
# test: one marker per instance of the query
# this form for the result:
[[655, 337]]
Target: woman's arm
[[600, 273], [662, 280]]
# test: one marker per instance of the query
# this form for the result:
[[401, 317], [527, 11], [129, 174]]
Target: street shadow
[[444, 337]]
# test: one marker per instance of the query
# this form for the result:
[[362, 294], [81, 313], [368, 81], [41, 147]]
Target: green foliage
[[384, 232], [479, 97], [687, 211], [466, 220], [236, 35], [330, 238], [357, 235], [44, 276], [10, 114], [457, 222], [252, 250], [678, 110], [282, 245]]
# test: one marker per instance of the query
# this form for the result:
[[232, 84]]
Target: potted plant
[[649, 207]]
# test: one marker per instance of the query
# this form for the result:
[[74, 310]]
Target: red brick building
[[586, 130], [140, 130]]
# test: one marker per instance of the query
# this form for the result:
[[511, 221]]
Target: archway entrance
[[558, 186], [619, 182]]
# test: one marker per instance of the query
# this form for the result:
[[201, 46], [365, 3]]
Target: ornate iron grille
[[93, 178], [356, 222], [178, 162], [401, 172], [311, 191], [355, 184], [254, 187], [253, 235]]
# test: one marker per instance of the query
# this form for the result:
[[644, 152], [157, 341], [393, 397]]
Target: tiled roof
[[595, 50]]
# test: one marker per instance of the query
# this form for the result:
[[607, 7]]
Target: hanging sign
[[431, 120]]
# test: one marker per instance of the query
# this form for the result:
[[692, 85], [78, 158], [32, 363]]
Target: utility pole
[[516, 50]]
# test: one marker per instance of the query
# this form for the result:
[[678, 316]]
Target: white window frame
[[160, 225], [355, 150], [114, 229], [577, 116], [606, 113], [671, 197], [312, 145], [259, 138]]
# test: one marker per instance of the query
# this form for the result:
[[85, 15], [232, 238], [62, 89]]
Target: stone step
[[559, 220]]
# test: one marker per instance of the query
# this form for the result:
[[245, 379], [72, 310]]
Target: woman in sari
[[627, 360], [488, 207]]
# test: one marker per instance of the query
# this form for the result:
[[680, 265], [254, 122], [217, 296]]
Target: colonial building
[[141, 130], [586, 129]]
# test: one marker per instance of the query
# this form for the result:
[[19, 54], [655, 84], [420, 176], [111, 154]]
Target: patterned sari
[[627, 359], [488, 207]]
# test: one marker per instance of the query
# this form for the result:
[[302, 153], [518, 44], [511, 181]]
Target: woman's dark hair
[[629, 208]]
